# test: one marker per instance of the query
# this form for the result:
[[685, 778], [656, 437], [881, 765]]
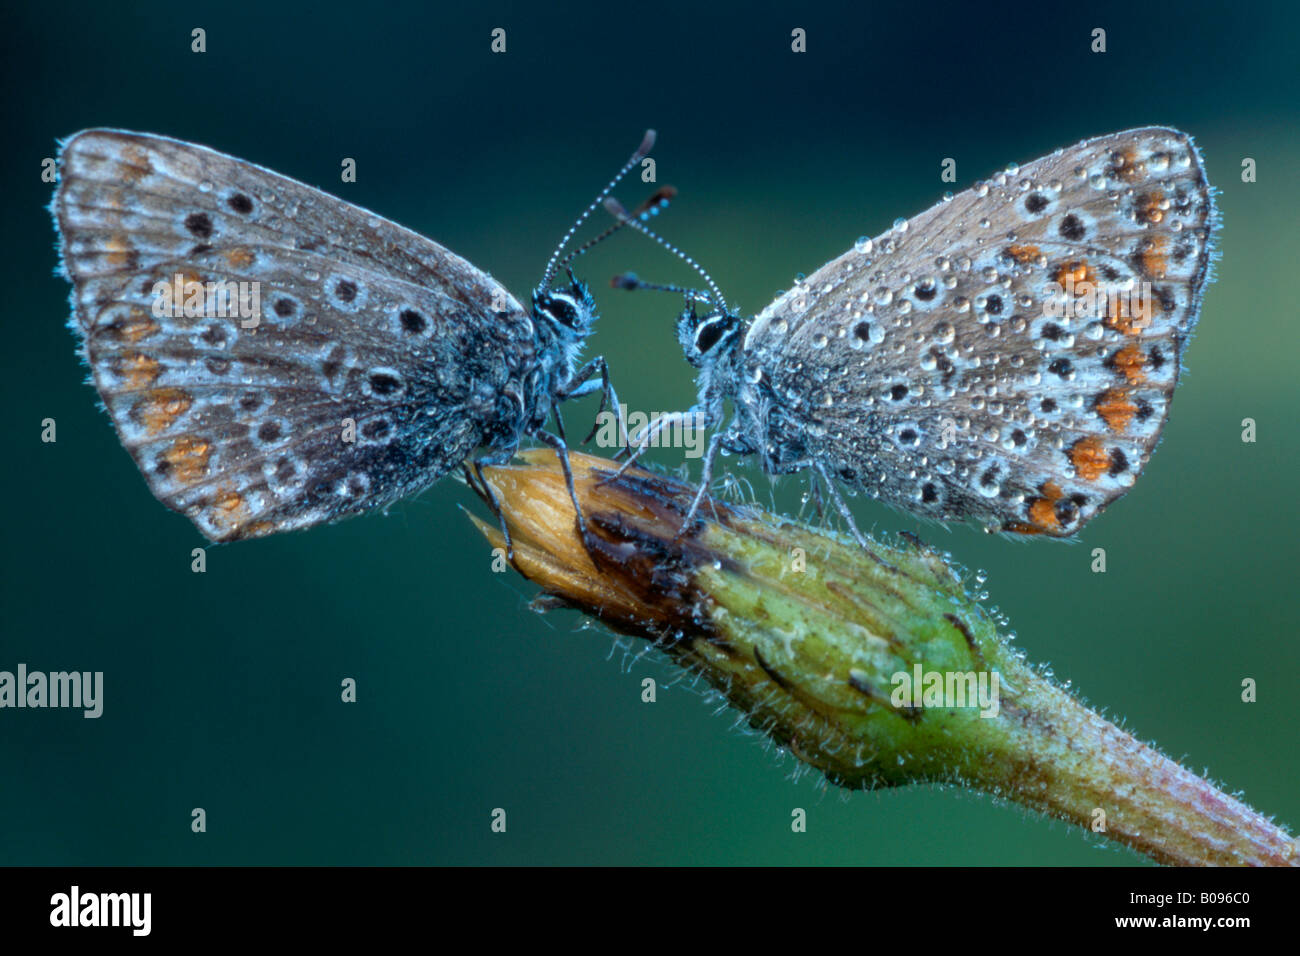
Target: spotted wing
[[1008, 356], [272, 356]]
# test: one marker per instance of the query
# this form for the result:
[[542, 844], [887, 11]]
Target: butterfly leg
[[608, 394], [651, 431], [559, 421], [840, 505], [745, 491], [485, 489], [583, 384], [715, 446], [815, 496], [562, 452]]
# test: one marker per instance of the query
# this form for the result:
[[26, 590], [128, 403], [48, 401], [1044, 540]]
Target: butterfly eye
[[710, 333], [564, 311], [559, 308]]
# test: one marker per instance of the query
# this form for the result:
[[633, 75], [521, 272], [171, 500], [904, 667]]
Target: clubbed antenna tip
[[647, 143]]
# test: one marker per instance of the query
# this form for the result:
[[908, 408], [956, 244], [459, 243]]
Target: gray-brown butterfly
[[274, 357], [1008, 356]]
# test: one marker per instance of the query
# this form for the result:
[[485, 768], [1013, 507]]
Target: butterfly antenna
[[647, 144], [615, 209], [651, 207], [630, 281]]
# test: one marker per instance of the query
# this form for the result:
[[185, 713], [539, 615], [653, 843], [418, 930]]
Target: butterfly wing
[[271, 356], [1009, 355]]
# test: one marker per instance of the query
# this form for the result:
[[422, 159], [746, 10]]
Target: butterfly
[[1007, 357], [275, 358]]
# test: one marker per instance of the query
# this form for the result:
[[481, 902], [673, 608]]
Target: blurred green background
[[222, 689]]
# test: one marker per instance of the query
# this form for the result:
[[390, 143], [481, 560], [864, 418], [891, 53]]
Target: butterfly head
[[567, 310], [707, 338]]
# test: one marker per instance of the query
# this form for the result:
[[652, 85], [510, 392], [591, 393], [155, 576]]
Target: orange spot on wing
[[238, 258], [1116, 409], [1130, 316], [139, 370], [1021, 527], [135, 165], [1042, 511], [1023, 254], [1151, 257], [189, 294], [1071, 272], [1074, 275], [1150, 207], [128, 328], [187, 458], [119, 251], [1124, 165], [1129, 361], [159, 409], [229, 510], [1089, 459]]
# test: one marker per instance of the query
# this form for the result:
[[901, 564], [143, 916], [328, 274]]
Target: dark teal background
[[222, 689]]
